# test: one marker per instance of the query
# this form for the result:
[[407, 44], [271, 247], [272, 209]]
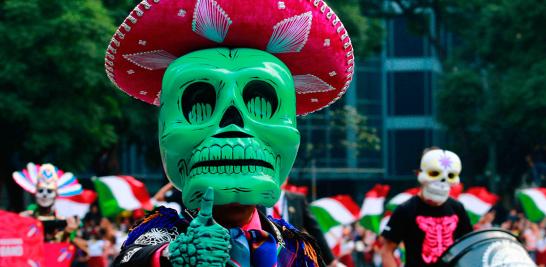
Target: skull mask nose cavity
[[232, 116], [444, 180]]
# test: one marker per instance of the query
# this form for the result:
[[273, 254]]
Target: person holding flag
[[430, 222]]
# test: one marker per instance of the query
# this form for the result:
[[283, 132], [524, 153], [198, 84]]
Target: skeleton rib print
[[438, 235]]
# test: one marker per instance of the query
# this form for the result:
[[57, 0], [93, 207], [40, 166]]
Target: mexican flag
[[336, 210], [119, 193], [477, 201], [334, 238], [456, 190], [372, 209], [76, 205], [401, 198], [332, 213], [533, 201]]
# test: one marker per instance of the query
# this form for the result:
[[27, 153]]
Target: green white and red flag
[[477, 201], [77, 205], [372, 208], [119, 193], [533, 201], [335, 210], [332, 213], [401, 198], [456, 190]]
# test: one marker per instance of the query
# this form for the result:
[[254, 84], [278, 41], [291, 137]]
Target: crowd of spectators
[[103, 237], [361, 247], [358, 247]]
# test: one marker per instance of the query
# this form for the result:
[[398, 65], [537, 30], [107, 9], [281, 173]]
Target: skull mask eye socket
[[198, 102], [451, 175], [433, 173], [45, 191], [260, 99]]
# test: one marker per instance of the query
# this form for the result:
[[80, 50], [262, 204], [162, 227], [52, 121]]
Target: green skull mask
[[228, 121]]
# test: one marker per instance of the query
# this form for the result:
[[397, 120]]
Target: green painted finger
[[207, 201]]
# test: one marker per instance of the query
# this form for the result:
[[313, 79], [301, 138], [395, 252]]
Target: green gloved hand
[[206, 243]]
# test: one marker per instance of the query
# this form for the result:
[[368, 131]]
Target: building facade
[[395, 91]]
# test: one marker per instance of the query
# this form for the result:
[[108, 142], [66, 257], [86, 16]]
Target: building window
[[406, 147], [368, 85], [407, 93], [403, 42]]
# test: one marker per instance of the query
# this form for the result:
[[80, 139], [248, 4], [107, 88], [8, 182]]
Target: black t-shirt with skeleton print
[[427, 231]]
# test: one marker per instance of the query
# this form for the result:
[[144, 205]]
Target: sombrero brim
[[306, 35]]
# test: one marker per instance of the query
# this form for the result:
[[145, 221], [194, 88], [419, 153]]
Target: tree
[[494, 96], [366, 32], [425, 17], [56, 103], [345, 120]]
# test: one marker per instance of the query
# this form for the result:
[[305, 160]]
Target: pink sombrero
[[305, 34]]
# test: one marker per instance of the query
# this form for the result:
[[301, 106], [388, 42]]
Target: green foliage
[[366, 33], [57, 104], [348, 119], [52, 97], [462, 92], [424, 17], [342, 120], [494, 92]]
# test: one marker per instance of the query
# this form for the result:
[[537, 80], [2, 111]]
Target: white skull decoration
[[46, 182], [440, 170]]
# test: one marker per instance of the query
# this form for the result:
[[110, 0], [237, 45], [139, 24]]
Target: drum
[[487, 248]]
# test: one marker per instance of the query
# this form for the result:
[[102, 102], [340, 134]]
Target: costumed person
[[431, 221], [46, 182], [229, 78]]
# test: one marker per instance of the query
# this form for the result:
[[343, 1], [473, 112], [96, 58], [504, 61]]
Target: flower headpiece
[[49, 176]]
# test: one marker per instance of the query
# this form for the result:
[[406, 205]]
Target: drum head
[[487, 248]]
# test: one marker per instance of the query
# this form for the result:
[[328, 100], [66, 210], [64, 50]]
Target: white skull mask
[[46, 190], [45, 195], [440, 170]]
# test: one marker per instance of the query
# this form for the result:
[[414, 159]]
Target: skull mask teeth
[[440, 170], [247, 158], [228, 121]]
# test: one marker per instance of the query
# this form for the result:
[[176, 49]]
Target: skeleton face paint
[[440, 170], [228, 120]]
